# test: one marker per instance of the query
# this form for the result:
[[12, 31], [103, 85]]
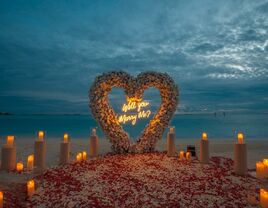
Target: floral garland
[[134, 89]]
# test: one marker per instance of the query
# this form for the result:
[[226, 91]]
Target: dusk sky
[[51, 51]]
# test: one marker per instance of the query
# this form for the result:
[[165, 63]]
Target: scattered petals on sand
[[139, 180]]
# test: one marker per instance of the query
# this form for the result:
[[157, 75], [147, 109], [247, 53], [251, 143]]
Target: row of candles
[[240, 159], [38, 158]]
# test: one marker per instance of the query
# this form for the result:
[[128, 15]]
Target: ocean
[[254, 126]]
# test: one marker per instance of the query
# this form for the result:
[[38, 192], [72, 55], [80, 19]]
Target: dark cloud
[[52, 50]]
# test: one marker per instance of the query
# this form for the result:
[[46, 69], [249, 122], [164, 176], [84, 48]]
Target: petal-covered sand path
[[138, 180]]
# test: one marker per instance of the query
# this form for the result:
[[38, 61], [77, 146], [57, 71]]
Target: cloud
[[51, 51]]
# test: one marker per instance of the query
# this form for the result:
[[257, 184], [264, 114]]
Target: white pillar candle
[[30, 188], [30, 162], [9, 155], [204, 149], [40, 152], [171, 147], [93, 144], [65, 150], [264, 198], [1, 199], [240, 156]]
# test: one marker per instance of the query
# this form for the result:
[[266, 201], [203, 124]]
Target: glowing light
[[240, 138], [84, 155], [263, 198], [204, 136], [1, 199], [65, 138], [137, 106], [30, 188], [30, 161], [10, 140], [19, 166], [41, 135]]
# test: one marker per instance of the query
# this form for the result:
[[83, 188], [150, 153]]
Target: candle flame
[[240, 138], [30, 184], [265, 162], [65, 138], [41, 135], [204, 136], [10, 140], [30, 158], [19, 166]]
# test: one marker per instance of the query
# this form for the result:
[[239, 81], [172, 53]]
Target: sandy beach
[[257, 150]]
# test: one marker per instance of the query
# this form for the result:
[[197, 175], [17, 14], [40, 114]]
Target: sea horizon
[[187, 125]]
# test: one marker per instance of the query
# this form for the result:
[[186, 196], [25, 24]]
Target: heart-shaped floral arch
[[134, 89]]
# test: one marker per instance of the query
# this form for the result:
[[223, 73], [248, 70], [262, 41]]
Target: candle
[[181, 155], [30, 188], [84, 155], [259, 169], [204, 136], [264, 198], [1, 199], [240, 156], [19, 167], [10, 141], [41, 135], [240, 138], [93, 144], [79, 157], [204, 149], [30, 161], [188, 155], [65, 138]]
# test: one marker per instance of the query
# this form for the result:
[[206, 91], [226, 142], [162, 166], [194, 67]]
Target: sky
[[51, 51]]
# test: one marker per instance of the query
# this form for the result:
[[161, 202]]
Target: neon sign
[[139, 112]]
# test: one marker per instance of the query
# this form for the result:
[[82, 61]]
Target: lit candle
[[8, 155], [79, 157], [84, 155], [240, 138], [240, 156], [19, 167], [65, 138], [10, 141], [41, 135], [171, 146], [188, 155], [30, 161], [259, 169], [1, 199], [181, 155], [30, 188], [264, 198], [204, 136]]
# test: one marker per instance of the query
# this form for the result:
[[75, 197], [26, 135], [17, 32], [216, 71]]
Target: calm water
[[187, 126]]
